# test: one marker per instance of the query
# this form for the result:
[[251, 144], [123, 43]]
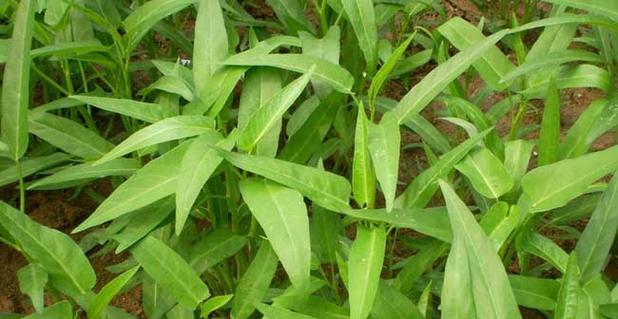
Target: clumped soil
[[59, 210]]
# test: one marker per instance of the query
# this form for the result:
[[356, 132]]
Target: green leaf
[[211, 42], [384, 142], [84, 172], [492, 65], [336, 76], [270, 113], [361, 15], [552, 186], [170, 271], [306, 142], [68, 135], [429, 221], [326, 189], [254, 283], [596, 241], [214, 304], [283, 216], [486, 173], [30, 166], [259, 86], [537, 293], [439, 78], [327, 48], [142, 19], [68, 268], [215, 248], [60, 309], [154, 181], [365, 266], [420, 191], [173, 128], [499, 222], [326, 227], [517, 157], [392, 304], [422, 261], [387, 68], [473, 271], [32, 281], [576, 142], [198, 164], [363, 175], [274, 312], [292, 14], [545, 248], [568, 295], [104, 297], [141, 223], [16, 82], [147, 112], [551, 60], [605, 8]]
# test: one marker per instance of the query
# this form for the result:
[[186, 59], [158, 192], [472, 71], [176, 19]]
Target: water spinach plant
[[296, 164]]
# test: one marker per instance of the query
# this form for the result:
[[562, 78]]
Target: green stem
[[22, 188]]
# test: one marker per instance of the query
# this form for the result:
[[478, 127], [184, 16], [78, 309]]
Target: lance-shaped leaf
[[545, 248], [365, 266], [68, 268], [439, 78], [326, 189], [392, 304], [486, 173], [272, 312], [549, 135], [215, 248], [211, 44], [339, 78], [362, 17], [32, 281], [363, 175], [30, 166], [16, 82], [254, 282], [104, 297], [68, 176], [283, 216], [605, 8], [259, 85], [384, 142], [327, 48], [419, 192], [475, 282], [170, 271], [568, 295], [147, 112], [429, 221], [537, 293], [596, 241], [270, 114], [198, 164], [60, 309], [141, 20], [173, 128], [68, 136], [492, 66], [154, 181], [292, 15], [552, 186]]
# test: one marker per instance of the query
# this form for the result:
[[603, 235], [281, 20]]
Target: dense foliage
[[262, 165]]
